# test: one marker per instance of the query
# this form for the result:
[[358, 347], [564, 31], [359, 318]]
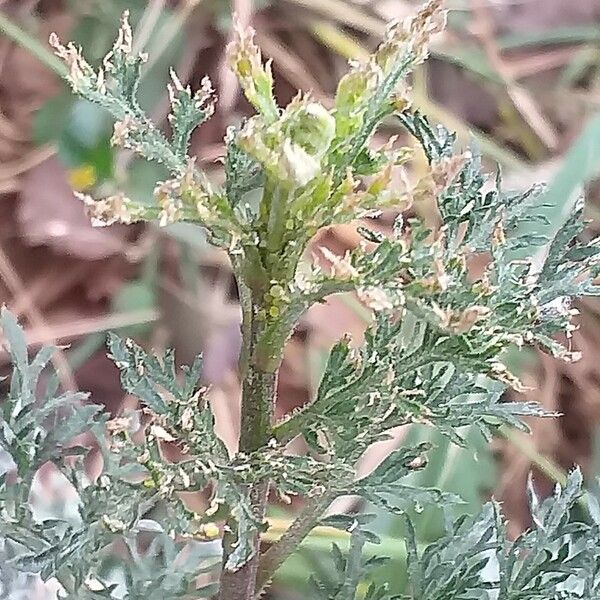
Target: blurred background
[[519, 79]]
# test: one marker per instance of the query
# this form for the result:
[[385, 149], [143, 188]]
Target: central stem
[[258, 400], [260, 357], [241, 584], [258, 392]]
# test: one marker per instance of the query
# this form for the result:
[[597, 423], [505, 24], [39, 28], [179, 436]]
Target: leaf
[[188, 111], [78, 420], [247, 529], [350, 567], [560, 199], [15, 338], [385, 487], [242, 172], [142, 373], [476, 558]]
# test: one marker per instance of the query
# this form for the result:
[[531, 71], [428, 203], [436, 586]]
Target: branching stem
[[278, 553]]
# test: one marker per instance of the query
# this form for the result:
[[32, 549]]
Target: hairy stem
[[269, 349], [258, 383], [258, 394], [304, 523], [258, 399]]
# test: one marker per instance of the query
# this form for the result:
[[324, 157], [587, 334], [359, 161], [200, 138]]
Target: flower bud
[[297, 165], [292, 147], [311, 126]]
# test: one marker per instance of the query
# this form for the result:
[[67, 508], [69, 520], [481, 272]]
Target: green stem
[[258, 384], [258, 393], [245, 297], [258, 400], [270, 346], [241, 584], [30, 43], [265, 204], [279, 552]]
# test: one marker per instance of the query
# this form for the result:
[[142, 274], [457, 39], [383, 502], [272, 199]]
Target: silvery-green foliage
[[70, 538], [350, 567], [558, 558], [432, 354]]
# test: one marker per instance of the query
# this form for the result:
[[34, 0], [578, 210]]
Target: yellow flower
[[83, 177], [209, 531]]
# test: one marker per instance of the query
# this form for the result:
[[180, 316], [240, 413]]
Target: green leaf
[[580, 165], [242, 172], [385, 487], [141, 374], [188, 111], [475, 557]]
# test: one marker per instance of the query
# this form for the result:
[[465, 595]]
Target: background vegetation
[[521, 77]]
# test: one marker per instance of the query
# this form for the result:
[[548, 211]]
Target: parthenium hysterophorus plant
[[433, 352]]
